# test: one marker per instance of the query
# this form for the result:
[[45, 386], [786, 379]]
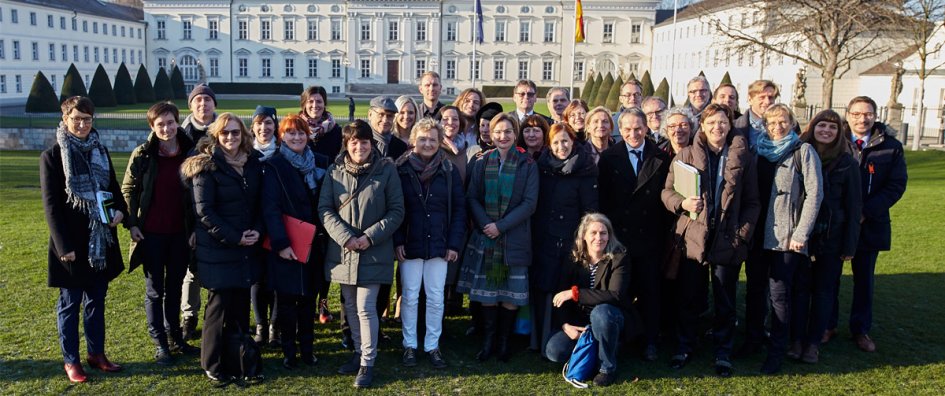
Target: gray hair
[[633, 111], [678, 110], [558, 89], [699, 79], [614, 249], [649, 99]]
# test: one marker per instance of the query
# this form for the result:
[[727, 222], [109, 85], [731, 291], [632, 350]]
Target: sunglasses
[[231, 132]]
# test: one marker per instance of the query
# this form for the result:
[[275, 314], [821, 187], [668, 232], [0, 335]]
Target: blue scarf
[[305, 164], [775, 150]]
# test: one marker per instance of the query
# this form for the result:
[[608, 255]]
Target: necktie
[[859, 144], [639, 155]]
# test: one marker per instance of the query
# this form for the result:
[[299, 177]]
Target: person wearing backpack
[[790, 188], [595, 282], [834, 238]]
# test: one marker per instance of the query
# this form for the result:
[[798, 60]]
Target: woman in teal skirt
[[502, 194]]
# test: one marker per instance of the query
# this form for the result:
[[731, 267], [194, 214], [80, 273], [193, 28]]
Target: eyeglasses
[[699, 91], [782, 124], [503, 131], [867, 116], [528, 94], [80, 120], [231, 132], [632, 95], [654, 114], [678, 126]]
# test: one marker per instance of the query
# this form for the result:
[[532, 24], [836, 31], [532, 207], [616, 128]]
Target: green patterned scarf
[[499, 181]]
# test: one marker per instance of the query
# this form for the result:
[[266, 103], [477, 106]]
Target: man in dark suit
[[631, 178], [524, 97], [381, 119]]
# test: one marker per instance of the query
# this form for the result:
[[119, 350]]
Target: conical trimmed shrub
[[100, 91], [726, 79], [162, 86], [42, 97], [612, 101], [662, 91], [647, 84], [124, 89], [601, 98], [177, 83], [144, 91], [588, 87], [72, 85]]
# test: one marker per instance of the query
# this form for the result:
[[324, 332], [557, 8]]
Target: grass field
[[909, 320]]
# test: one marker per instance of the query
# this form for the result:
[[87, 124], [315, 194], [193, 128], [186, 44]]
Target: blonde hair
[[246, 137], [780, 109], [424, 125], [614, 249], [761, 85]]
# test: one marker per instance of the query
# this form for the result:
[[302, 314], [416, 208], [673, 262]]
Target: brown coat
[[739, 205]]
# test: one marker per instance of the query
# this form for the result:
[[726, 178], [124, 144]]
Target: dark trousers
[[227, 312], [757, 268], [165, 264], [822, 296], [645, 284], [297, 323], [92, 298], [861, 310], [540, 303], [606, 326], [265, 304], [693, 287], [787, 273]]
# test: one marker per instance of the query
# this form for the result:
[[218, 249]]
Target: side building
[[48, 36]]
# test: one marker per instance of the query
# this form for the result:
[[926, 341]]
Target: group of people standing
[[573, 216]]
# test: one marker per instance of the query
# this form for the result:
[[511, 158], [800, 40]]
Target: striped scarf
[[499, 182]]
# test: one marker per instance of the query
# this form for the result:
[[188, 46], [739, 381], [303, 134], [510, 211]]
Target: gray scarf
[[305, 164], [267, 150], [85, 165]]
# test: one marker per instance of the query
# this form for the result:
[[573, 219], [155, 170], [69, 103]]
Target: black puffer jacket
[[565, 195], [226, 204], [883, 181]]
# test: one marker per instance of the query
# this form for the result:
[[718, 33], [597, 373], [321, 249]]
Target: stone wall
[[116, 140]]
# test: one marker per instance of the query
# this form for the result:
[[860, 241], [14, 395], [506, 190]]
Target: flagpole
[[672, 66], [573, 49], [475, 47]]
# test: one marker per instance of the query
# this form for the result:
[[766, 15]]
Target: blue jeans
[[606, 324], [92, 297]]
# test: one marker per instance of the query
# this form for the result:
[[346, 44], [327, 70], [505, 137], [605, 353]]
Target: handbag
[[583, 362]]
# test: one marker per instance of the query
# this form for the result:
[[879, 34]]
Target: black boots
[[488, 315], [189, 329], [275, 341], [506, 325], [262, 334], [497, 325]]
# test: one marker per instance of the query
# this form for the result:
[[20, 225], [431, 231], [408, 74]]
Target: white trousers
[[432, 274]]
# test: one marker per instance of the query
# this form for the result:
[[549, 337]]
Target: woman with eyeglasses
[[717, 239], [502, 195], [790, 188], [225, 177], [575, 115], [83, 255]]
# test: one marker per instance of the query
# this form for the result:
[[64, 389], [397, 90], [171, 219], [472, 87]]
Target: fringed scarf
[[319, 127], [499, 182], [85, 165], [305, 164]]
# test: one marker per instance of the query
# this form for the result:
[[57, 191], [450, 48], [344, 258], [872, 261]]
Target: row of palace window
[[716, 58], [89, 54], [420, 32], [124, 31]]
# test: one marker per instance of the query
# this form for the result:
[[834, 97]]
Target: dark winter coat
[[565, 195], [226, 204], [435, 217], [632, 202], [284, 192], [69, 228], [376, 212], [138, 186], [611, 286], [190, 129], [883, 176], [515, 223], [838, 223], [328, 144], [739, 206]]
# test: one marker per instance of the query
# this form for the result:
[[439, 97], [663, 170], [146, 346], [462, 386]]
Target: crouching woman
[[594, 283]]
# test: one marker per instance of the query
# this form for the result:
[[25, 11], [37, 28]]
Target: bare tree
[[921, 20], [827, 35]]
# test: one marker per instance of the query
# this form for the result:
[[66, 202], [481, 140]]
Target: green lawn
[[909, 319]]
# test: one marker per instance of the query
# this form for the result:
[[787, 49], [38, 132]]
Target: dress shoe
[[679, 361], [218, 380], [410, 357], [829, 334], [262, 334], [101, 362], [811, 354], [864, 342], [183, 347], [723, 368], [436, 359], [795, 351], [76, 373], [162, 356], [364, 378], [649, 353], [772, 365], [290, 363], [604, 379], [309, 359]]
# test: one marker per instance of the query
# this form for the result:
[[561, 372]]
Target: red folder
[[301, 234]]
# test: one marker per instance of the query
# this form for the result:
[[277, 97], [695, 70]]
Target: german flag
[[578, 22]]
